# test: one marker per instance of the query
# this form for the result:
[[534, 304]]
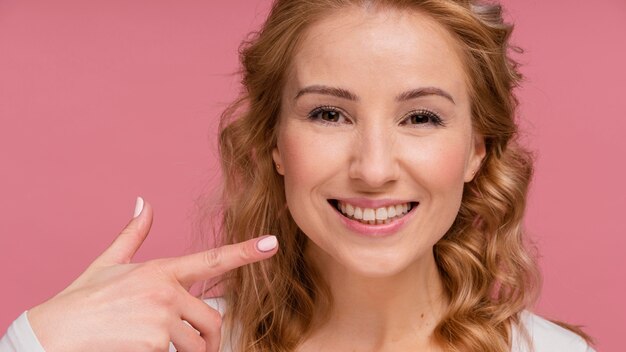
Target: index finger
[[214, 262]]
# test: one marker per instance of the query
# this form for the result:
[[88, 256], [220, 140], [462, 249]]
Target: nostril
[[374, 173]]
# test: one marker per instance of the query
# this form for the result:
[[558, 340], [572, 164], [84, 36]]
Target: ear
[[477, 155], [278, 161]]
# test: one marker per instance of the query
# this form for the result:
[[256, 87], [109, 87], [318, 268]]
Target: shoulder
[[545, 336], [20, 337]]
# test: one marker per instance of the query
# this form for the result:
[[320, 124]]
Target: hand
[[116, 305]]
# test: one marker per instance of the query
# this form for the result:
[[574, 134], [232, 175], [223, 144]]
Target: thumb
[[124, 247]]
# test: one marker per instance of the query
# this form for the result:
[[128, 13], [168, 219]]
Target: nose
[[374, 159]]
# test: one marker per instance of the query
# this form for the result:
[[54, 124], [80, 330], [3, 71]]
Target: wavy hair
[[488, 270]]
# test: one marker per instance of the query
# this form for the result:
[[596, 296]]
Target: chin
[[377, 265]]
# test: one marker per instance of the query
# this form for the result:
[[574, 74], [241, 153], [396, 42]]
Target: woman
[[376, 140]]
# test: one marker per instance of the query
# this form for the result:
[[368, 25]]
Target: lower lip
[[382, 230]]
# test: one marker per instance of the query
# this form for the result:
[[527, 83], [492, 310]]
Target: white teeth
[[381, 214], [349, 210], [358, 213], [368, 214]]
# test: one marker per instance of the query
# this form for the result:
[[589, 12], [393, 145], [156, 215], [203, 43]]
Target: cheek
[[439, 167], [437, 170], [299, 157], [309, 157], [312, 162]]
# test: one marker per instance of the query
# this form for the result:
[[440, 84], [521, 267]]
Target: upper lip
[[373, 203]]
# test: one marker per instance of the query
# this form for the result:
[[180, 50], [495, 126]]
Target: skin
[[116, 305], [387, 291]]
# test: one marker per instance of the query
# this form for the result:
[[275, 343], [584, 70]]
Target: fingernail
[[266, 244], [138, 207]]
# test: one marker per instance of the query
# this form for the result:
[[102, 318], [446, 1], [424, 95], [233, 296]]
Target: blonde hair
[[488, 272]]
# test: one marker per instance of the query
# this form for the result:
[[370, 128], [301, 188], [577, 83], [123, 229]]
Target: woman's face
[[375, 139]]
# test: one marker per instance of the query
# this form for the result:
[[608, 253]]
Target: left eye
[[423, 117], [328, 115]]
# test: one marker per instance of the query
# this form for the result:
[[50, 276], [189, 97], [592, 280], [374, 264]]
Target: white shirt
[[545, 335]]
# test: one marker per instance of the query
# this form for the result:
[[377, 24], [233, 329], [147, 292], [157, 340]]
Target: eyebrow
[[346, 94], [325, 90], [420, 92]]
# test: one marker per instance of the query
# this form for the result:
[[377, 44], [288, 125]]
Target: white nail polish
[[138, 207], [267, 244]]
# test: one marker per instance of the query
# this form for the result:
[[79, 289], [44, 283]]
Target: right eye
[[327, 114]]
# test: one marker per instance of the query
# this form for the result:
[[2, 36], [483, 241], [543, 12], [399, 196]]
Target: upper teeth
[[371, 214]]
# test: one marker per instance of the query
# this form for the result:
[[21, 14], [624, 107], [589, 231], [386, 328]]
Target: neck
[[381, 311]]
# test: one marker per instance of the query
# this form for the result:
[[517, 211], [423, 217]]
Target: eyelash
[[321, 109], [433, 117]]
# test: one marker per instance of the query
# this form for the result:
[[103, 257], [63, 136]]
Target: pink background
[[101, 101]]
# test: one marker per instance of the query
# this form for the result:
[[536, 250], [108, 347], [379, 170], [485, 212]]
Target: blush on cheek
[[300, 159], [450, 168], [439, 166], [309, 153]]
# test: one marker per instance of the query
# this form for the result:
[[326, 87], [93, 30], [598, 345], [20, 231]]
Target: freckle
[[421, 316]]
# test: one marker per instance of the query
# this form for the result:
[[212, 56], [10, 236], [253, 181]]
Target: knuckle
[[199, 345], [246, 253], [131, 230], [157, 342], [164, 295], [213, 258], [155, 286], [214, 318], [155, 270]]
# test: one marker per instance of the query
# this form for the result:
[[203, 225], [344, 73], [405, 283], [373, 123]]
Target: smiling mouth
[[373, 216]]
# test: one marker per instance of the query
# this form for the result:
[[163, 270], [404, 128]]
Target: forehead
[[378, 49]]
